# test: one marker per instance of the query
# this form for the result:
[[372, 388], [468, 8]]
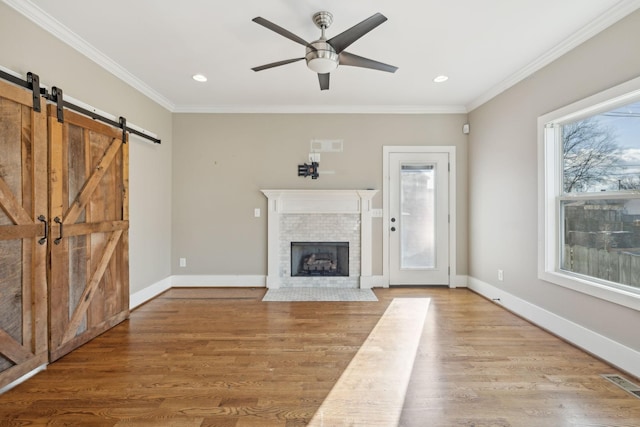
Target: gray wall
[[210, 178], [26, 47], [221, 161], [503, 174]]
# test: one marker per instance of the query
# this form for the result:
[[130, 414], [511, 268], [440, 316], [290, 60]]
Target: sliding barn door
[[23, 246], [89, 279]]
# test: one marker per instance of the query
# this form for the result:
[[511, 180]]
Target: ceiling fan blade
[[352, 60], [278, 29], [346, 38], [324, 81], [276, 64]]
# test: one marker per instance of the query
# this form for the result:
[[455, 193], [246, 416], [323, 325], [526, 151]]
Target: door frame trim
[[386, 178]]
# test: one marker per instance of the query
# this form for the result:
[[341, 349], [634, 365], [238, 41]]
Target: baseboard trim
[[619, 355], [149, 293], [454, 281], [370, 282], [459, 281], [208, 281]]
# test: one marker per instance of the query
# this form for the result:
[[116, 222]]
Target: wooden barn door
[[89, 278], [23, 245]]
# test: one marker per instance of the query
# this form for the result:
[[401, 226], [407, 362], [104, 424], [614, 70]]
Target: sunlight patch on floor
[[372, 389]]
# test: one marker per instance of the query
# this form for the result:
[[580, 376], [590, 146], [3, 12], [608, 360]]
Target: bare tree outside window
[[591, 155], [601, 234], [629, 182], [592, 170]]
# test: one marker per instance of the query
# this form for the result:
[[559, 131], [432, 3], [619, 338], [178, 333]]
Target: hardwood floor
[[366, 395], [221, 357]]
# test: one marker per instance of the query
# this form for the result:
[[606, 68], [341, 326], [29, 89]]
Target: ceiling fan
[[324, 56]]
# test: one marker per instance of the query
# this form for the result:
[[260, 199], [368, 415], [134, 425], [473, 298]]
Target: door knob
[[393, 229], [393, 220]]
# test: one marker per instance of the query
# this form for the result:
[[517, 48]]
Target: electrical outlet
[[183, 262], [500, 275]]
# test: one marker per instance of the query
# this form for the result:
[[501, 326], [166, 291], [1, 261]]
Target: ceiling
[[482, 46]]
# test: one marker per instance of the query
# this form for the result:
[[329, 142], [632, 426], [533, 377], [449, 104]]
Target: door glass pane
[[417, 216]]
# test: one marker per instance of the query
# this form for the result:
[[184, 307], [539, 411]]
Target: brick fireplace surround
[[322, 216]]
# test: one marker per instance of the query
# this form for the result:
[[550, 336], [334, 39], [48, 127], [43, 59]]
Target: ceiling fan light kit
[[322, 55], [323, 58]]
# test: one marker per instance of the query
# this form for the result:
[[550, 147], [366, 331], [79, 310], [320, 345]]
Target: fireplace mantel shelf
[[283, 202], [319, 201]]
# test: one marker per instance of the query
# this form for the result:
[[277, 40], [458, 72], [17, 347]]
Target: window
[[590, 195]]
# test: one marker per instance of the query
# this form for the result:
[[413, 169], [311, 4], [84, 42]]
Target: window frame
[[550, 175]]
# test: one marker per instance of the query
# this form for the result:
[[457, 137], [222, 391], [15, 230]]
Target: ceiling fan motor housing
[[323, 59], [323, 56]]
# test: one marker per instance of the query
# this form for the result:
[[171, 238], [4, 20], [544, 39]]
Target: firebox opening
[[319, 259]]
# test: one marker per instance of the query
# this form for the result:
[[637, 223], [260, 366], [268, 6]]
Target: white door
[[418, 218]]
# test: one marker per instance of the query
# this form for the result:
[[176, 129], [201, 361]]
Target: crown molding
[[322, 109], [32, 12], [610, 17]]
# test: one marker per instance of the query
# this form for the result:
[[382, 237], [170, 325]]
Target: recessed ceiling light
[[441, 79], [199, 78]]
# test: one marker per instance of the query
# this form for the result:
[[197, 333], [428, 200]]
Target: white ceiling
[[483, 46]]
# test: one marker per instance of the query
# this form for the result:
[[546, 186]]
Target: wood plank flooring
[[366, 395], [221, 357]]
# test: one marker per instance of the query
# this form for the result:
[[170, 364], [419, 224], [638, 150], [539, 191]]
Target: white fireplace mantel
[[282, 202]]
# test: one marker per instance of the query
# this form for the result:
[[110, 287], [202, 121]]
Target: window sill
[[597, 290]]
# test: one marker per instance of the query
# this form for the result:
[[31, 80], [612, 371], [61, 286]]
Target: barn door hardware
[[91, 114], [13, 79], [58, 221], [34, 82], [57, 96], [43, 240], [123, 125]]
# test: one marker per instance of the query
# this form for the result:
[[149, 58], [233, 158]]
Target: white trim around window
[[550, 190]]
